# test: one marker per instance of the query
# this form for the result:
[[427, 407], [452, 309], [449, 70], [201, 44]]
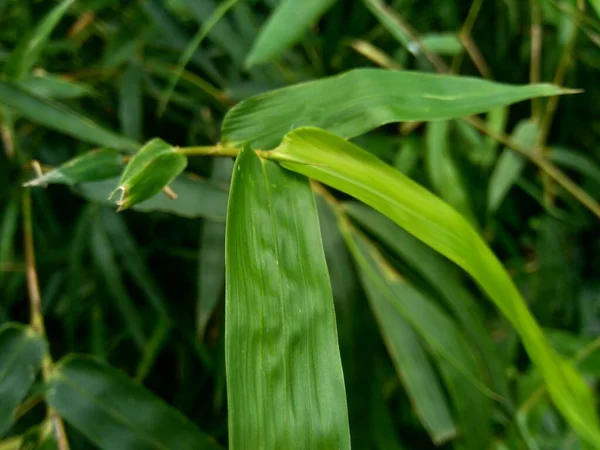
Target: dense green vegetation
[[299, 224]]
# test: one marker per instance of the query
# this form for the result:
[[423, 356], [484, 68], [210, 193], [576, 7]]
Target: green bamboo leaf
[[52, 86], [360, 100], [28, 50], [92, 166], [149, 171], [443, 277], [211, 271], [284, 376], [195, 197], [510, 164], [60, 118], [286, 26], [443, 172], [346, 167], [408, 156], [21, 354], [116, 413], [410, 360]]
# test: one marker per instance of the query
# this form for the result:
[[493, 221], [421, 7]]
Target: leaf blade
[[360, 100], [116, 413], [284, 375]]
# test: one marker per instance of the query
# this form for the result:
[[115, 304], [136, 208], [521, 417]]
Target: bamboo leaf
[[443, 276], [28, 50], [285, 27], [116, 413], [52, 86], [410, 360], [92, 166], [346, 167], [284, 375], [60, 118], [21, 354], [360, 100], [510, 164]]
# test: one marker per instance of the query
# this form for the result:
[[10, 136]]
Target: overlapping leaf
[[284, 376], [340, 164]]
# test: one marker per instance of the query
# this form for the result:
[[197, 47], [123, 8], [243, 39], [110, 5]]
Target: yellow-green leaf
[[284, 375], [344, 166]]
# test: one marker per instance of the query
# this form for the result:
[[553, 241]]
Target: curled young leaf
[[149, 172]]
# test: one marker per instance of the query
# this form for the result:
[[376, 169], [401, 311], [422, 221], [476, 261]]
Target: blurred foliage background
[[143, 289]]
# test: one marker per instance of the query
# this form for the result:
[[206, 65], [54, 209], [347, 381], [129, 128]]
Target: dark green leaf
[[21, 354], [117, 414]]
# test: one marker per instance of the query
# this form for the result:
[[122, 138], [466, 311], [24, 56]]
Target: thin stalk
[[35, 306], [466, 31], [215, 150]]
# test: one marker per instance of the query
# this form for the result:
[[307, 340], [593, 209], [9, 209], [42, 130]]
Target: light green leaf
[[211, 270], [92, 166], [21, 354], [284, 376], [443, 172], [397, 312], [596, 6], [195, 197], [360, 100], [115, 413], [285, 27], [28, 50], [60, 118], [149, 171], [346, 167], [510, 163]]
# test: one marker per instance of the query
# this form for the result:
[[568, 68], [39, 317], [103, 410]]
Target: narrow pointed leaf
[[286, 26], [410, 360], [28, 51], [21, 354], [96, 165], [58, 117], [116, 413], [441, 275], [52, 86], [360, 100], [340, 164], [510, 164], [284, 376]]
